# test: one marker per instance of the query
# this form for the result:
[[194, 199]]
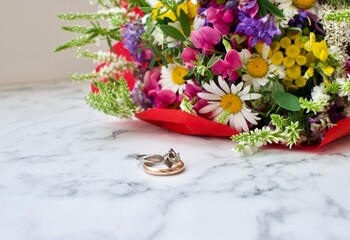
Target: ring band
[[174, 169], [151, 158], [169, 159]]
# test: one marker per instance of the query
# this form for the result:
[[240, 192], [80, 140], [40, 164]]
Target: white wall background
[[29, 31]]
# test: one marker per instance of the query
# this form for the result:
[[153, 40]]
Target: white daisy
[[229, 102], [291, 8], [172, 78], [258, 68]]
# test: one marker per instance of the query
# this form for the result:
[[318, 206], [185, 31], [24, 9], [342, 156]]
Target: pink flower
[[221, 19], [192, 89], [188, 55], [205, 38], [191, 92], [165, 98], [228, 66], [151, 79]]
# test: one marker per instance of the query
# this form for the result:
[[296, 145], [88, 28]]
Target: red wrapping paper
[[185, 123]]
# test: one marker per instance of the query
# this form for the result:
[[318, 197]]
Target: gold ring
[[168, 171]]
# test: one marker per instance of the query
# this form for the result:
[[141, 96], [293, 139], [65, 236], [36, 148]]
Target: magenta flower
[[205, 39], [228, 66], [191, 91], [165, 98], [221, 19], [151, 79], [188, 55], [347, 67]]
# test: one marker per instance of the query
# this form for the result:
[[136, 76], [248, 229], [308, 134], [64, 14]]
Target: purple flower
[[298, 20], [139, 97], [336, 111], [262, 29], [131, 37], [250, 7]]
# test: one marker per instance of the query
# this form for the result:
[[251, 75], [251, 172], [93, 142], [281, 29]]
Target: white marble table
[[68, 173]]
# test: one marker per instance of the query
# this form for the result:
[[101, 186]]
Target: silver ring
[[150, 158], [169, 159]]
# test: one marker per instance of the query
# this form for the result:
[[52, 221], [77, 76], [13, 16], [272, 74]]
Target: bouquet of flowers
[[261, 71]]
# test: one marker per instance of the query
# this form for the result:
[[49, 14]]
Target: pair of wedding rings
[[154, 164]]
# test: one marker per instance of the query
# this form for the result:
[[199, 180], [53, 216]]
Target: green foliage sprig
[[286, 132], [342, 16], [76, 42], [113, 99]]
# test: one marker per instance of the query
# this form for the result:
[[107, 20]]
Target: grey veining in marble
[[69, 173]]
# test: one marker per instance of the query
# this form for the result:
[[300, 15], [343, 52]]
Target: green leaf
[[172, 32], [227, 45], [214, 59], [185, 23], [240, 39], [287, 101], [146, 9], [280, 87], [272, 8], [262, 10]]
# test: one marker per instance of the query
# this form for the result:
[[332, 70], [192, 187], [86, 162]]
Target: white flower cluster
[[103, 57], [337, 33], [344, 89], [120, 16], [319, 94], [115, 67]]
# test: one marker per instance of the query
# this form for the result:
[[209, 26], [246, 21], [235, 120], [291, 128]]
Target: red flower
[[128, 75]]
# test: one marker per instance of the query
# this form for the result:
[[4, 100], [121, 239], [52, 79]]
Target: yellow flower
[[292, 51], [312, 40], [161, 11], [300, 82], [285, 42], [320, 50], [300, 41], [277, 58], [293, 72], [192, 9], [292, 87], [310, 59], [293, 34], [287, 82], [275, 46], [301, 60], [288, 62], [328, 70], [309, 73]]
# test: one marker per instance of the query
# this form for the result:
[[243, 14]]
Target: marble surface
[[69, 173]]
